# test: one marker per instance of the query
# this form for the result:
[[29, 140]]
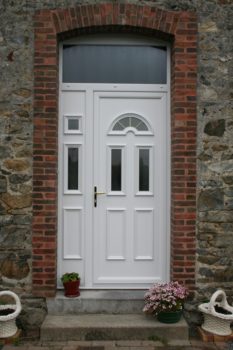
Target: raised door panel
[[129, 147]]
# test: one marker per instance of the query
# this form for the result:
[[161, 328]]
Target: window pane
[[132, 122], [144, 155], [132, 64], [73, 124], [73, 168], [125, 122], [116, 170], [118, 126], [142, 127]]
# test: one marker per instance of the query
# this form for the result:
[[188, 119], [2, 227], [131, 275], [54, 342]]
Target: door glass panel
[[130, 122], [116, 164], [118, 126], [142, 127], [73, 124], [144, 156], [73, 165], [135, 122], [123, 64], [125, 122]]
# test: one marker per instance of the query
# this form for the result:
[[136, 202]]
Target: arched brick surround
[[178, 27]]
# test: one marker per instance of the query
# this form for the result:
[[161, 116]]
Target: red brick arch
[[181, 29]]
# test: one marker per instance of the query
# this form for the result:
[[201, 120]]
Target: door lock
[[95, 195]]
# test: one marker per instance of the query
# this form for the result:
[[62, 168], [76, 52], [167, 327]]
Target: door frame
[[90, 89]]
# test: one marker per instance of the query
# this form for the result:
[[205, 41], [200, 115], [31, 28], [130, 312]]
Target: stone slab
[[111, 327], [102, 301]]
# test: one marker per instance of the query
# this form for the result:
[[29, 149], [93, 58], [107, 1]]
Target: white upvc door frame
[[88, 182]]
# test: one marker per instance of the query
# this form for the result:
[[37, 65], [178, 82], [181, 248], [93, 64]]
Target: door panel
[[129, 235], [72, 184], [116, 140]]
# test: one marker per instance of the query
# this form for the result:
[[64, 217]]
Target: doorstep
[[98, 301], [89, 327]]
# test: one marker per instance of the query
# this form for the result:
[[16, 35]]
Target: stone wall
[[215, 149], [214, 266]]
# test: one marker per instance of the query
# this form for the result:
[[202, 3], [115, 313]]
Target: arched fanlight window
[[130, 122]]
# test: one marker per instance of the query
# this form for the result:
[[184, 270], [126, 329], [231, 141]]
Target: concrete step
[[111, 327], [98, 301]]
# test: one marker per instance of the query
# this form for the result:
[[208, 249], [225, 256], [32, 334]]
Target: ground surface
[[117, 345]]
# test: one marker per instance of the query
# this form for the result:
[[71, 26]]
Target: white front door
[[113, 222]]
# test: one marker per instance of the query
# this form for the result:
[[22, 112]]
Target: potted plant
[[71, 283], [165, 300]]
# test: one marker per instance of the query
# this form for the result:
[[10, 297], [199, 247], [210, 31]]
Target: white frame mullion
[[87, 124]]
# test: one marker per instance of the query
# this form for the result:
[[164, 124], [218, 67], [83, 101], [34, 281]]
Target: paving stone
[[55, 343], [103, 343], [92, 347], [129, 343], [142, 347], [179, 343], [14, 347], [79, 343], [120, 345], [224, 346], [39, 347]]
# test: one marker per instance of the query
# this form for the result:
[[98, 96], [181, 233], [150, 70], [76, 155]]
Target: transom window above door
[[118, 62]]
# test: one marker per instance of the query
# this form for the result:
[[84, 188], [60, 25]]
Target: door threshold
[[109, 294], [97, 301]]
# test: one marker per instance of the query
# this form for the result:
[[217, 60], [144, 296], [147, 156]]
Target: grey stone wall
[[214, 146], [215, 150]]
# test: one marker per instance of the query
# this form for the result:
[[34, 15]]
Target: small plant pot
[[72, 289], [169, 316]]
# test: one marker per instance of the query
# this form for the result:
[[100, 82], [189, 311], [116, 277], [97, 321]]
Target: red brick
[[183, 26]]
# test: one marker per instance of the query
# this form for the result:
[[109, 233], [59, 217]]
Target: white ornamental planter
[[214, 321], [8, 326]]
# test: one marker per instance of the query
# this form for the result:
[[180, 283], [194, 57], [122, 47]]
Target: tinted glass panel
[[142, 127], [114, 64], [73, 124], [118, 127], [72, 168], [132, 122], [144, 169], [125, 122], [116, 170]]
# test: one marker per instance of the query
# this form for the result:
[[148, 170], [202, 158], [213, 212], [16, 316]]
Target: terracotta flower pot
[[72, 288]]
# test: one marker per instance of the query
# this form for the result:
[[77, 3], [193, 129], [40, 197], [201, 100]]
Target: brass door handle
[[95, 195]]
